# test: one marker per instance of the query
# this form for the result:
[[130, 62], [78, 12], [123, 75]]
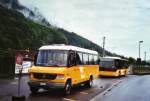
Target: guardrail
[[140, 70]]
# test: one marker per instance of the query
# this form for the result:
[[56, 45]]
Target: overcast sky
[[123, 22]]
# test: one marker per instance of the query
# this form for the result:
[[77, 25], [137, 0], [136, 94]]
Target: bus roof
[[112, 58], [67, 47]]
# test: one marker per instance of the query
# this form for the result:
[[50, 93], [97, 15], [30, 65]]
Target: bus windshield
[[107, 64], [54, 58]]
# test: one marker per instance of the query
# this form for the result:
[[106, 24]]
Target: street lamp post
[[140, 48]]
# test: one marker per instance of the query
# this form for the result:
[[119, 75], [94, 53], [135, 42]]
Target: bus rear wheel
[[124, 73], [119, 73], [67, 88]]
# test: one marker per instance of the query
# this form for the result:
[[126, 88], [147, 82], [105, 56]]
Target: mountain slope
[[34, 14], [17, 32]]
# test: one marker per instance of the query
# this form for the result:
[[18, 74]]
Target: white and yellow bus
[[113, 66], [63, 66]]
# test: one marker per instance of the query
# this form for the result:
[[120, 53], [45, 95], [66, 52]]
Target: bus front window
[[107, 64], [52, 58]]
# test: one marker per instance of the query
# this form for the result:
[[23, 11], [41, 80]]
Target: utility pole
[[145, 56], [104, 46]]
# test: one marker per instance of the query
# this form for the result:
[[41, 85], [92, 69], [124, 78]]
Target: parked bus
[[113, 66], [63, 66]]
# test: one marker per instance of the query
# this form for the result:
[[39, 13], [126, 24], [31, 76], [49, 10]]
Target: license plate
[[42, 84]]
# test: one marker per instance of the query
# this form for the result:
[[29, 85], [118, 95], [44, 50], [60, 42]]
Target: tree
[[131, 60]]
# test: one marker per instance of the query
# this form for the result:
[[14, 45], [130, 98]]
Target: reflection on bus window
[[52, 58], [78, 60], [91, 59], [96, 59], [80, 56], [85, 59]]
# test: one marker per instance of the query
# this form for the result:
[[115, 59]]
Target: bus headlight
[[60, 76]]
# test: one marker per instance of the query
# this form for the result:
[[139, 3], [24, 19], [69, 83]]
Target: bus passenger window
[[72, 59], [96, 59], [79, 58], [118, 64], [91, 60], [85, 59]]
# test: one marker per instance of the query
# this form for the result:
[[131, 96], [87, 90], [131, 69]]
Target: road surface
[[8, 88], [135, 89]]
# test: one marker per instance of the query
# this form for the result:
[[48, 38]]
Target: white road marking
[[66, 99], [85, 93], [14, 83]]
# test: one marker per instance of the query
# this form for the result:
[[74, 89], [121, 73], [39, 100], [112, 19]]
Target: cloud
[[123, 22]]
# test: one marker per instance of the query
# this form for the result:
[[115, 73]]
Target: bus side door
[[73, 67]]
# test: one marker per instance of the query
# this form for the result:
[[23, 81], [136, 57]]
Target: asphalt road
[[135, 89], [8, 88]]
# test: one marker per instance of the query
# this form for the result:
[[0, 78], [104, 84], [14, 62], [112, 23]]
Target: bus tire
[[119, 74], [124, 73], [67, 88], [89, 83], [34, 90]]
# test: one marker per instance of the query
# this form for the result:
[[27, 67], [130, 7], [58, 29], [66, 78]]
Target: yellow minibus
[[63, 66], [113, 66]]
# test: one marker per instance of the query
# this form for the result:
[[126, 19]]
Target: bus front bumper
[[108, 73], [46, 85]]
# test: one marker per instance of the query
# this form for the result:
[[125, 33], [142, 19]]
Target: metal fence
[[139, 69]]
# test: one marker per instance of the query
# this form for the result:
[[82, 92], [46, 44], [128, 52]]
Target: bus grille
[[44, 76]]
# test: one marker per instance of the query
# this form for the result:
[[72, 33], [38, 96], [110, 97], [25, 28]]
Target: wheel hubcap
[[68, 88], [91, 82]]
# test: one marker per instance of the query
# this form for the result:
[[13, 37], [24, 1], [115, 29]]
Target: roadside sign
[[19, 59]]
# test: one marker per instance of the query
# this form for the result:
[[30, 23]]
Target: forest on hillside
[[19, 33]]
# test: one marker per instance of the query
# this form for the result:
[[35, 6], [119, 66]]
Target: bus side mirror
[[68, 64], [35, 59]]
